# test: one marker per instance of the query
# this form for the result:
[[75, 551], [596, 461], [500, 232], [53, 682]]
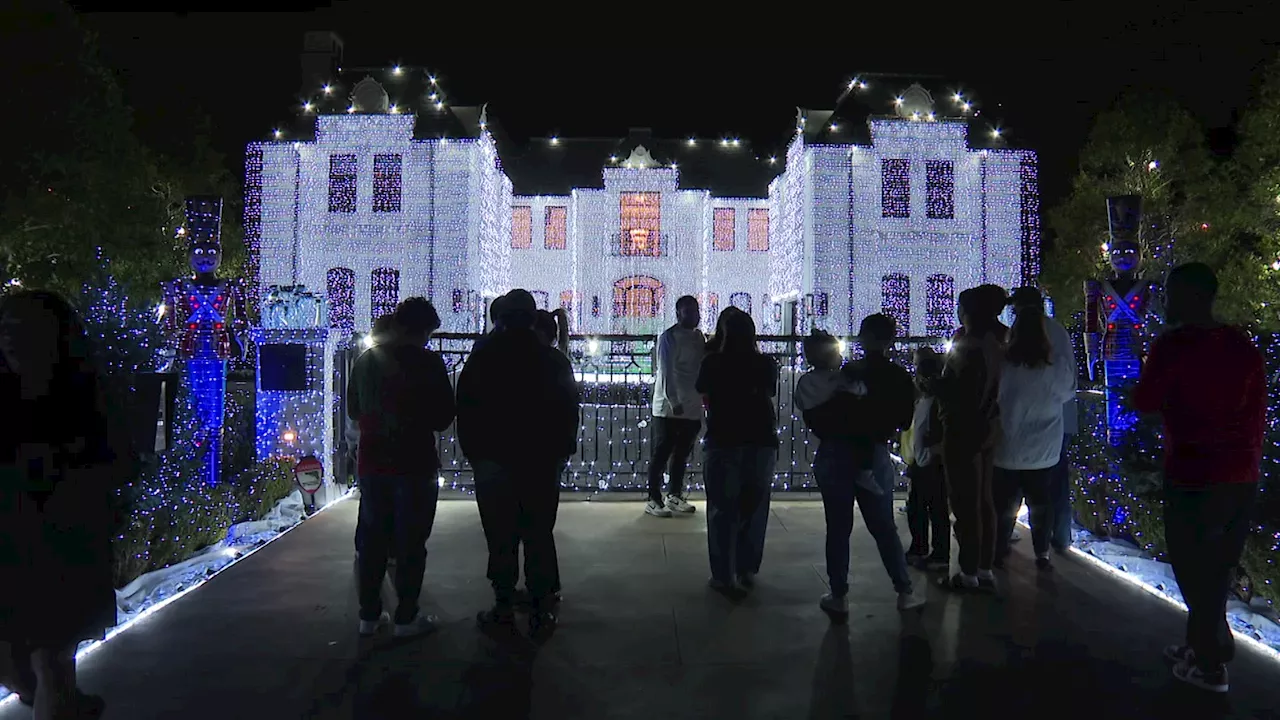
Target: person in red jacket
[[1207, 381]]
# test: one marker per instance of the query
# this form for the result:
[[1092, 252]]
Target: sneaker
[[836, 607], [987, 585], [542, 625], [370, 627], [421, 625], [909, 600], [1179, 654], [1212, 681], [675, 503], [729, 590], [937, 562], [958, 583], [498, 616], [747, 581], [1043, 564], [656, 509]]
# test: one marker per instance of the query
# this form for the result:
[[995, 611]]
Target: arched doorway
[[638, 304]]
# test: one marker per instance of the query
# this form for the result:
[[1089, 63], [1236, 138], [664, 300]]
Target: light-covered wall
[[741, 270]]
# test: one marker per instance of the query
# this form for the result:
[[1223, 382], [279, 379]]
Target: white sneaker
[[832, 605], [421, 625], [909, 601], [370, 627], [679, 504], [656, 509], [1215, 681]]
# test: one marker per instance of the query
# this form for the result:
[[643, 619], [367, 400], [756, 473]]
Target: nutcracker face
[[205, 257], [1125, 256]]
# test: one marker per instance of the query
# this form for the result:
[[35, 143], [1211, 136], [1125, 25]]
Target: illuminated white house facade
[[369, 212]]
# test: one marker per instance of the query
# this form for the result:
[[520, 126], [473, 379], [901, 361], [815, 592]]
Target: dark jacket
[[968, 393], [401, 396], [517, 402], [859, 423], [740, 388]]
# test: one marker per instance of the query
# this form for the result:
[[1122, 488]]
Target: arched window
[[541, 298], [742, 301], [895, 300], [639, 296], [384, 291], [713, 306], [340, 288], [940, 305]]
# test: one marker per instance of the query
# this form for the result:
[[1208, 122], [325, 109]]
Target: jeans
[[738, 483], [1060, 500], [928, 510], [1205, 531], [839, 481], [1009, 488], [518, 506], [673, 440], [969, 473], [396, 515]]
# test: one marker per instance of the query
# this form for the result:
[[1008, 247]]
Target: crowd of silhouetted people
[[980, 429]]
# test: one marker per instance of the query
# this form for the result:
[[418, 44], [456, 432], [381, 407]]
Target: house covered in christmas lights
[[895, 200]]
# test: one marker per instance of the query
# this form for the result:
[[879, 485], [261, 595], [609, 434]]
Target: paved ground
[[641, 637]]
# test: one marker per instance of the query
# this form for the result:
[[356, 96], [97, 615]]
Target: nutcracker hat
[[1124, 217], [204, 219]]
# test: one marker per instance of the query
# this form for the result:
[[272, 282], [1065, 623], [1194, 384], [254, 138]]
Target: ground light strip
[[1266, 650], [113, 632]]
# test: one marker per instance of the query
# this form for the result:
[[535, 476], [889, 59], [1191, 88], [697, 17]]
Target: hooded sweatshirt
[[680, 353], [1031, 401]]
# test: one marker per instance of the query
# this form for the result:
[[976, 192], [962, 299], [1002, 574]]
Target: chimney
[[321, 58]]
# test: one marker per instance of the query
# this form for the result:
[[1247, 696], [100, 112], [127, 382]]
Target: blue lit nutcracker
[[1121, 312], [206, 320]]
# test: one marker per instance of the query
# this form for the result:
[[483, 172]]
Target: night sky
[[243, 71]]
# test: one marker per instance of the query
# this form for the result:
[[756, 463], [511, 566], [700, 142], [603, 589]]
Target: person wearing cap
[[518, 422], [1064, 356], [1035, 382], [400, 395]]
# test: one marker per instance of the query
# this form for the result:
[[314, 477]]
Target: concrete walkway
[[641, 637]]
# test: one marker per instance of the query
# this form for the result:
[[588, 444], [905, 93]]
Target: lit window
[[641, 224], [340, 288], [638, 297], [384, 291], [895, 188], [595, 306], [556, 229], [722, 229], [758, 230], [940, 305], [713, 305], [386, 183], [939, 178], [342, 183], [521, 228], [895, 300]]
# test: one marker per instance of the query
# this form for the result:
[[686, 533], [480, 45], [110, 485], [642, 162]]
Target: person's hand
[[678, 409]]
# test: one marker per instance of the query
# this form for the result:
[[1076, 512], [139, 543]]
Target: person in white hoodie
[[1034, 384], [677, 408], [1063, 354]]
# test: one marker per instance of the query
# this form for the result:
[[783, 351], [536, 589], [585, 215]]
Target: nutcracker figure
[[206, 320], [1121, 312]]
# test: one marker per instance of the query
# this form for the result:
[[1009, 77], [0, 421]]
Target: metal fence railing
[[615, 374]]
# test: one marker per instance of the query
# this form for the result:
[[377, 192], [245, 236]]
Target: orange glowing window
[[638, 297], [521, 228], [557, 223], [758, 230], [641, 224], [722, 229]]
